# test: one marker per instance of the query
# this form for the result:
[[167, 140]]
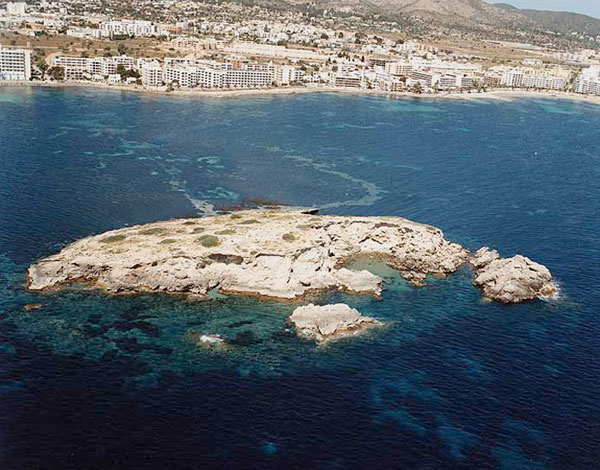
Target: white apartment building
[[447, 82], [220, 75], [349, 80], [286, 74], [399, 68], [16, 8], [427, 79], [589, 81], [245, 78], [546, 83], [184, 76], [76, 68], [391, 83], [152, 74], [521, 79], [128, 28], [512, 78], [465, 81], [15, 64]]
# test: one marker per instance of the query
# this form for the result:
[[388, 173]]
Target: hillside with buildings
[[471, 17], [204, 46]]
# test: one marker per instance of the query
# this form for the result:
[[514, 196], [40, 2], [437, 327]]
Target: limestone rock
[[269, 252], [513, 280], [30, 307], [205, 340], [329, 321], [483, 257], [276, 253], [211, 340]]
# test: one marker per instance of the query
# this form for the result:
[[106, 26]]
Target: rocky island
[[277, 253]]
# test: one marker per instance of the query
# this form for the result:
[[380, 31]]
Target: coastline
[[494, 94]]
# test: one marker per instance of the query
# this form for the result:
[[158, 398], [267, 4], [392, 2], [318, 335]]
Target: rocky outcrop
[[511, 280], [211, 340], [206, 340], [275, 253], [30, 307], [272, 253], [329, 322], [482, 257]]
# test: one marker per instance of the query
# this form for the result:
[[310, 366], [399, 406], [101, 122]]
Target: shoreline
[[494, 94]]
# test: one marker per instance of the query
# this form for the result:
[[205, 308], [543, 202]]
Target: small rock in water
[[329, 321], [213, 340], [30, 307], [200, 339]]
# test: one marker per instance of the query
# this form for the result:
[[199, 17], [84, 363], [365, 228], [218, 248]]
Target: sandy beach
[[495, 94]]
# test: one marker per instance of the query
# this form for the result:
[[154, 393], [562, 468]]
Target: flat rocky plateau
[[278, 253]]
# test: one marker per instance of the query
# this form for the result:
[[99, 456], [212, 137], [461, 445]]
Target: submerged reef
[[277, 253]]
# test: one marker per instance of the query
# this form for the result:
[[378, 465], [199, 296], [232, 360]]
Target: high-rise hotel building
[[15, 64]]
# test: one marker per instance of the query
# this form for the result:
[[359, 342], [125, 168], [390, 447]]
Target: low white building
[[15, 64], [84, 33], [114, 78], [533, 62], [137, 28], [192, 43]]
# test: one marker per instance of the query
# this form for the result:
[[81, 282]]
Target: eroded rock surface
[[511, 280], [322, 323], [275, 253]]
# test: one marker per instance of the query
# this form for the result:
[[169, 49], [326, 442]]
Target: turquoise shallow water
[[90, 381]]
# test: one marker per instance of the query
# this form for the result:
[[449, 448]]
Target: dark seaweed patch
[[245, 338]]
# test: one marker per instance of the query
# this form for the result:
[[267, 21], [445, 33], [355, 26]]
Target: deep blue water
[[90, 381]]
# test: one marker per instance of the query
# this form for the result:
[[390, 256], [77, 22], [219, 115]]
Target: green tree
[[417, 88], [56, 73]]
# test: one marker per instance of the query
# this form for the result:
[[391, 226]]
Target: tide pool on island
[[450, 381]]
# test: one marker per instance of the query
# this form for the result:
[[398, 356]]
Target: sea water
[[450, 381]]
